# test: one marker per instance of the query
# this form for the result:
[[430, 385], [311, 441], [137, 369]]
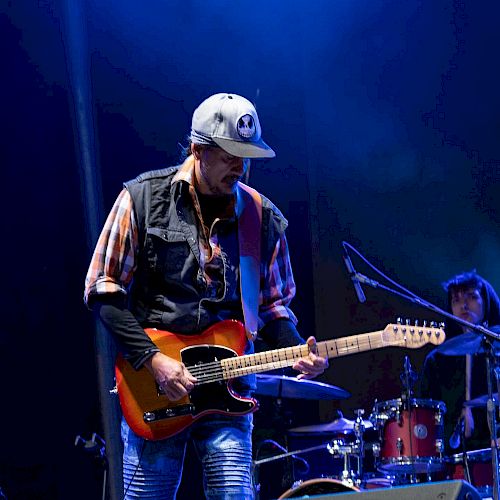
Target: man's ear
[[196, 150]]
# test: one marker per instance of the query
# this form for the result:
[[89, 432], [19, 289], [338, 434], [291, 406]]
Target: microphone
[[352, 274], [456, 437]]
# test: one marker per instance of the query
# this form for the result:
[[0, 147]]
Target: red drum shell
[[411, 435]]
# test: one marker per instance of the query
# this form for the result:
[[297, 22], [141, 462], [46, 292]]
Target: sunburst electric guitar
[[215, 357]]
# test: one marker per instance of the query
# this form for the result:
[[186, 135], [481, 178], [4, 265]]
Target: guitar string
[[244, 362], [214, 371], [239, 367]]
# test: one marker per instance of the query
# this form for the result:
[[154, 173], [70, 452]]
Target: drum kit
[[400, 443]]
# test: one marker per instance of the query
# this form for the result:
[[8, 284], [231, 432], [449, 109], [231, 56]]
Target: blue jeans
[[152, 469]]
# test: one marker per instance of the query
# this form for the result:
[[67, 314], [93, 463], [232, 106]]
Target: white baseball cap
[[230, 122]]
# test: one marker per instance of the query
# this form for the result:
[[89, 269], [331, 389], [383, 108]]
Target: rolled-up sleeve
[[278, 288], [114, 260]]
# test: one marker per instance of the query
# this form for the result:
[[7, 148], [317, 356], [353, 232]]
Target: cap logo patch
[[246, 126]]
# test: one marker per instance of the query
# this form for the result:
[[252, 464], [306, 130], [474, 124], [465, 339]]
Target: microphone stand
[[408, 378], [491, 364], [465, 458]]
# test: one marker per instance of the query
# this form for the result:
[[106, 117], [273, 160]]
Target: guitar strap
[[249, 235]]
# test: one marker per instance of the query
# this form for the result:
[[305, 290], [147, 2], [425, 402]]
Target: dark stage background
[[385, 119]]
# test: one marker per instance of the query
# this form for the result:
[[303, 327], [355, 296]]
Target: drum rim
[[476, 456], [432, 464], [433, 404], [407, 460], [308, 482]]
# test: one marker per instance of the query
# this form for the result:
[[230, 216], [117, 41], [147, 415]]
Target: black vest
[[170, 289]]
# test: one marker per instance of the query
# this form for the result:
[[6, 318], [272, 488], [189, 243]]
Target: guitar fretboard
[[396, 335], [281, 358]]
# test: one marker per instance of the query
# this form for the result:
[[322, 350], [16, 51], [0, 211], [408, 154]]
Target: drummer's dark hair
[[471, 279], [463, 281]]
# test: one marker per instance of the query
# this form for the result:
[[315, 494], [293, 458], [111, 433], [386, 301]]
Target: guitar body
[[150, 414]]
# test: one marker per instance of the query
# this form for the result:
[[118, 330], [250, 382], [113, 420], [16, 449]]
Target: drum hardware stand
[[359, 429], [284, 420], [97, 447], [408, 378], [357, 449], [465, 458], [337, 447]]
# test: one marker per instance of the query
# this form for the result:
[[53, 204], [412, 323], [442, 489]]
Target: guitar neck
[[285, 357]]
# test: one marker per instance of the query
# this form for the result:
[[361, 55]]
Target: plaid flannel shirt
[[115, 258]]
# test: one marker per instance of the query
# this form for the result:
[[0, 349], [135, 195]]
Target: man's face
[[218, 172], [468, 305]]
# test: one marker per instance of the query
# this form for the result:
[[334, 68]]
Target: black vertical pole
[[81, 102]]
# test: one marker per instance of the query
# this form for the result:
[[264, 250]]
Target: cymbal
[[341, 425], [466, 343], [480, 401], [280, 386]]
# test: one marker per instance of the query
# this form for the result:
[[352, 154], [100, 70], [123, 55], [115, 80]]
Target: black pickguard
[[214, 395]]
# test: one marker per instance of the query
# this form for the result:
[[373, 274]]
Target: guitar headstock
[[413, 336]]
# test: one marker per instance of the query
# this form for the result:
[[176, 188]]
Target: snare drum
[[411, 435], [480, 468], [318, 487]]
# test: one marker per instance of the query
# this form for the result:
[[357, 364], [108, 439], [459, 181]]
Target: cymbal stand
[[465, 457], [283, 422], [96, 447], [408, 378], [492, 369], [359, 429], [337, 447]]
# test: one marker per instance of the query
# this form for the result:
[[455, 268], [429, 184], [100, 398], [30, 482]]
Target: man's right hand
[[171, 375]]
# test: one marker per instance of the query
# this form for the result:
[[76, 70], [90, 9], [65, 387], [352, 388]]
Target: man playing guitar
[[184, 249]]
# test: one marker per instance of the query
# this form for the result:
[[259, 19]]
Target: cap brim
[[245, 149]]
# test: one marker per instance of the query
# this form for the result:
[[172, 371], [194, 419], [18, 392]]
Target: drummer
[[458, 375]]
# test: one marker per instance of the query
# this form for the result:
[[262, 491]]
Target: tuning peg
[[407, 322], [442, 325], [425, 324], [433, 324], [416, 322], [399, 320]]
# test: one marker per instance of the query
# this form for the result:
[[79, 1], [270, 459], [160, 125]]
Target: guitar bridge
[[163, 413]]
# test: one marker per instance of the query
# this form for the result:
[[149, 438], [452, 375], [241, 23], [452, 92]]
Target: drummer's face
[[468, 305]]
